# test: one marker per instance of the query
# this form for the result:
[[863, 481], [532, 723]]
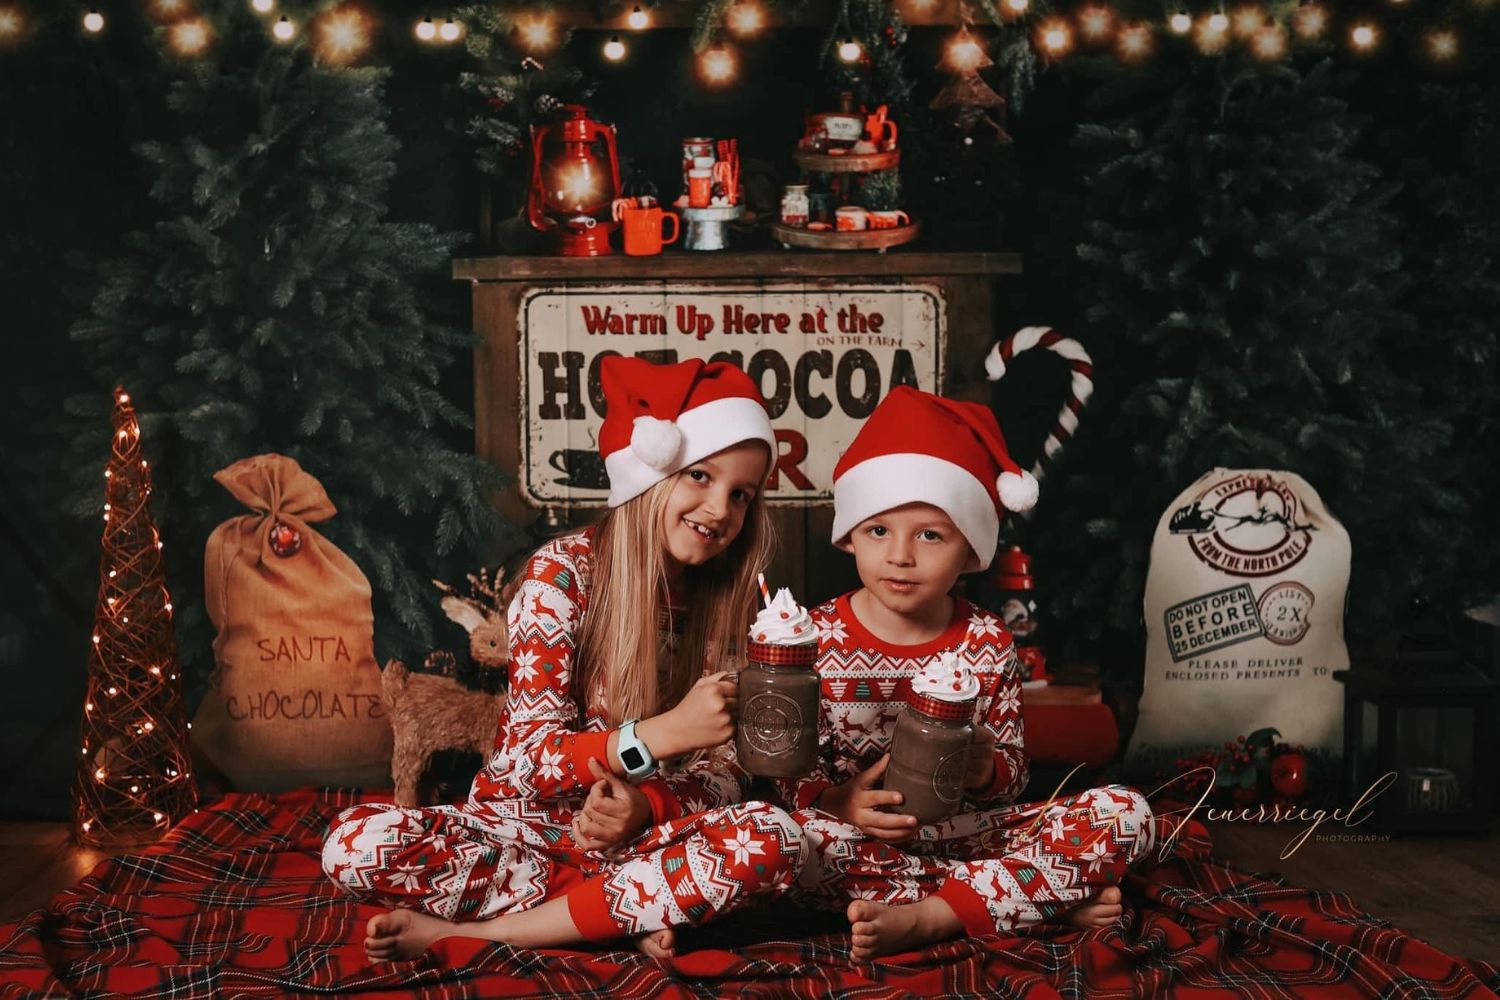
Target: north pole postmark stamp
[[1246, 525], [1285, 611]]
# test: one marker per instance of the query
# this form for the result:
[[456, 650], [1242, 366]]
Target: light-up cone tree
[[134, 777]]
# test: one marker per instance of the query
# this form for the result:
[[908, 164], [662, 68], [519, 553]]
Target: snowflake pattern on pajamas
[[1000, 865]]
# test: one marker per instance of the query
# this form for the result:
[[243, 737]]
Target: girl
[[617, 622]]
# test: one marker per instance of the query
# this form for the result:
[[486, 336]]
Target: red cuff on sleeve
[[589, 907], [808, 792], [584, 746], [967, 905], [665, 805]]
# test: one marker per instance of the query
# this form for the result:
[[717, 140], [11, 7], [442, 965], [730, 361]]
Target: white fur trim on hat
[[887, 481], [1018, 492], [655, 442], [703, 430]]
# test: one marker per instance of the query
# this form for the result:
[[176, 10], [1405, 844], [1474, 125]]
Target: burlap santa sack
[[295, 699], [1244, 615]]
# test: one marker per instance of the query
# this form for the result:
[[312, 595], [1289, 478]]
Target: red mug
[[643, 230]]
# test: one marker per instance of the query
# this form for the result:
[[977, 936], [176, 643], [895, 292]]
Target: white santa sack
[[1244, 615]]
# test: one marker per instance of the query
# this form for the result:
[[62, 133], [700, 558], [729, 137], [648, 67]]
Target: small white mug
[[851, 218]]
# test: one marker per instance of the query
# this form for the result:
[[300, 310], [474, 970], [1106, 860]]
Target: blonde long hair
[[618, 640]]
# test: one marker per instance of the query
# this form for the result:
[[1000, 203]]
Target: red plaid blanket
[[233, 904]]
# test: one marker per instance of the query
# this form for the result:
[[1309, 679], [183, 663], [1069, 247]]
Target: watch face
[[631, 758]]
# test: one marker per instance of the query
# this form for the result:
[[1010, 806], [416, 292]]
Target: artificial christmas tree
[[1239, 266], [272, 309], [134, 778]]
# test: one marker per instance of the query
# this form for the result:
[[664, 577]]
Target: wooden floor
[[1445, 890]]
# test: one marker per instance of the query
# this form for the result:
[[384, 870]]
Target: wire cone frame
[[134, 776]]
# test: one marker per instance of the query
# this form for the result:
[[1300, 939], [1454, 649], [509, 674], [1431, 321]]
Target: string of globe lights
[[345, 32]]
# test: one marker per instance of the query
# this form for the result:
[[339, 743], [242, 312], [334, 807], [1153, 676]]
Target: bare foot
[[877, 929], [402, 934], [1100, 911], [657, 944]]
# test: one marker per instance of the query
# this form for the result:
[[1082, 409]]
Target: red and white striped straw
[[765, 592]]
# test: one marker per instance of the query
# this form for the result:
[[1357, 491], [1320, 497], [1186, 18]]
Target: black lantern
[[1431, 719]]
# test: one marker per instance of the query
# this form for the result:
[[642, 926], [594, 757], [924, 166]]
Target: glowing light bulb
[[1056, 36], [284, 30], [450, 30], [189, 38], [614, 49], [159, 817], [12, 23], [135, 789], [717, 65], [745, 18], [1218, 21], [87, 824], [425, 30], [1134, 43], [263, 6], [1269, 43], [536, 33], [1095, 23], [113, 691], [1248, 20], [1364, 36], [965, 54], [88, 706], [93, 22], [850, 50], [1181, 23], [1442, 45], [344, 36], [637, 19], [156, 671], [149, 726], [1018, 6], [100, 774]]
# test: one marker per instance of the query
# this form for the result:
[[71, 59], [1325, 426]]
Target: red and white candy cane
[[1081, 387]]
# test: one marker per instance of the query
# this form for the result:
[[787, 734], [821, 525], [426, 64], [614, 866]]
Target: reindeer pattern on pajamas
[[998, 864], [510, 846]]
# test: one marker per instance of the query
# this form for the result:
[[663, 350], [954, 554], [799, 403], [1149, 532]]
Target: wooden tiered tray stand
[[861, 239]]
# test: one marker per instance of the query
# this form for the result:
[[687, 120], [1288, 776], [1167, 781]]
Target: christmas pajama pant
[[999, 869], [468, 862]]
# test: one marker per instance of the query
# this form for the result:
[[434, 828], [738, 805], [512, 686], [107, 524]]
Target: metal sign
[[823, 355]]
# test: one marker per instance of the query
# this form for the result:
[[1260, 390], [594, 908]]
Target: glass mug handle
[[676, 228]]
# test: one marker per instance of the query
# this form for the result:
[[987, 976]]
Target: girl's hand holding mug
[[704, 718]]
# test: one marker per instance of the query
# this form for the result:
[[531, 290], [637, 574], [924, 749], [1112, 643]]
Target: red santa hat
[[921, 448], [659, 419]]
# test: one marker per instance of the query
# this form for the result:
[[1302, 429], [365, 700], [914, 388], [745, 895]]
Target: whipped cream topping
[[947, 678], [783, 622]]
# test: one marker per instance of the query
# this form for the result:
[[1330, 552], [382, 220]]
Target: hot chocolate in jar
[[930, 748], [777, 735]]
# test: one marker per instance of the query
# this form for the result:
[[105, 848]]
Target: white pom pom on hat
[[656, 442], [1018, 492]]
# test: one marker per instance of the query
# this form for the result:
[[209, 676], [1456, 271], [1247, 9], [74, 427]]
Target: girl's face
[[706, 508]]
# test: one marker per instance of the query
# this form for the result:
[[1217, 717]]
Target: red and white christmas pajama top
[[1000, 865], [510, 846]]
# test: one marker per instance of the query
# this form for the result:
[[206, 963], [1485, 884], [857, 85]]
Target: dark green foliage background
[[1290, 266]]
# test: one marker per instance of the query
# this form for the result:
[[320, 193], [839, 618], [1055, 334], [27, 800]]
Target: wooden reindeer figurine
[[434, 714]]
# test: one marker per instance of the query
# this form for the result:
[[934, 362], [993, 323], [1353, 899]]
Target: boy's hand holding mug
[[859, 803]]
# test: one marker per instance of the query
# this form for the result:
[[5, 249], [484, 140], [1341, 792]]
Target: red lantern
[[575, 178]]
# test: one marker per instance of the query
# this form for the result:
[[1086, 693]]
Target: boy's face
[[909, 556], [706, 508]]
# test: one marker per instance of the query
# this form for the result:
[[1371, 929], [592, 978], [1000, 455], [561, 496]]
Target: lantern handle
[[534, 211]]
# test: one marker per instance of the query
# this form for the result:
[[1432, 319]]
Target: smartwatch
[[633, 752]]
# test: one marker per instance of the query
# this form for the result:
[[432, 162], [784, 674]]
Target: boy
[[917, 501]]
